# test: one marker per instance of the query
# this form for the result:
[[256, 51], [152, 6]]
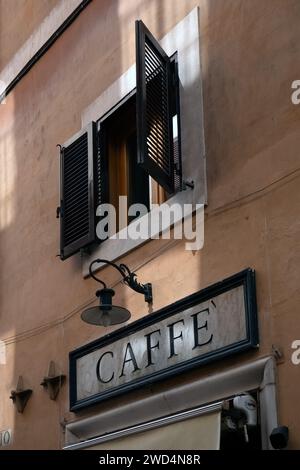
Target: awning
[[197, 429], [144, 407]]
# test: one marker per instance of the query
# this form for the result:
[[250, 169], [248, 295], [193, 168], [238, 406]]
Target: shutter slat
[[157, 129], [77, 224], [75, 149], [76, 221], [101, 172], [77, 192], [72, 169], [80, 204], [78, 230], [75, 181], [152, 67], [73, 189], [154, 113], [152, 144]]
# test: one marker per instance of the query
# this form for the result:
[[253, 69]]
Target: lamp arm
[[145, 289], [129, 278]]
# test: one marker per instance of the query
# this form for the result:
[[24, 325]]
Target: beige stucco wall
[[250, 53], [18, 20]]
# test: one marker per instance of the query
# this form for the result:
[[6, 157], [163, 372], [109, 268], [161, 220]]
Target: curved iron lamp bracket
[[129, 278]]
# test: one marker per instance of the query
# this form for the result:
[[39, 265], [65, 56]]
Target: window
[[139, 138], [125, 176]]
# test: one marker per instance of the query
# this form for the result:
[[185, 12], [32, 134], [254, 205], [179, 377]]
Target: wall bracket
[[53, 382], [20, 396]]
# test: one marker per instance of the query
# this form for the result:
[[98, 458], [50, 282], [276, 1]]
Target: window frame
[[104, 136], [185, 39], [102, 121]]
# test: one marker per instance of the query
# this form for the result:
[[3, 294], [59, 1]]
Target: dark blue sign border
[[244, 278]]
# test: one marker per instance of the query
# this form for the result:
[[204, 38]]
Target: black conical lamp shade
[[105, 314]]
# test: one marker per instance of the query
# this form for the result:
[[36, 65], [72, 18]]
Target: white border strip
[[36, 41]]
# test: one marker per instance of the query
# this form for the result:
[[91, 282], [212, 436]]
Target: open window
[[118, 139], [133, 150]]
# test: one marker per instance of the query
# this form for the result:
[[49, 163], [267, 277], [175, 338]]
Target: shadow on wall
[[36, 291], [40, 298]]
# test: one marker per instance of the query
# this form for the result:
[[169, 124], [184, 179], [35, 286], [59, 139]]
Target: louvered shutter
[[77, 212], [154, 113]]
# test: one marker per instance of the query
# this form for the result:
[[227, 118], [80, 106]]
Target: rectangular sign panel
[[208, 325]]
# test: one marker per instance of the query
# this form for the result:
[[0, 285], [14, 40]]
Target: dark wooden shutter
[[101, 173], [154, 113], [77, 213]]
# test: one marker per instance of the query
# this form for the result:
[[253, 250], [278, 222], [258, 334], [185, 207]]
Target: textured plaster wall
[[18, 20], [250, 54]]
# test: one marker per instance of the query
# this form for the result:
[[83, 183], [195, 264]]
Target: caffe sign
[[211, 324]]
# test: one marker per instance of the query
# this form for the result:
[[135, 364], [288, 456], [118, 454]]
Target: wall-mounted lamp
[[107, 314]]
